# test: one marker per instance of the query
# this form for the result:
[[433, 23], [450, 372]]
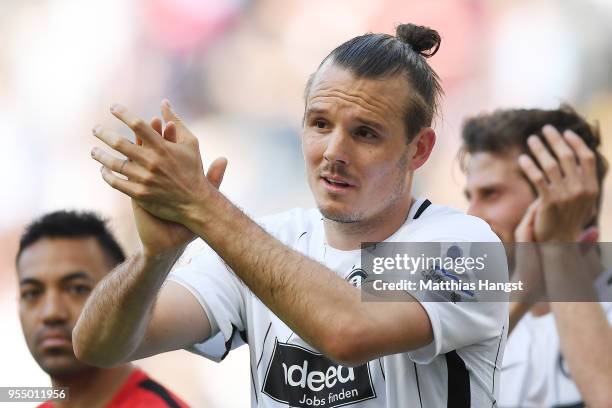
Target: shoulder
[[442, 223]]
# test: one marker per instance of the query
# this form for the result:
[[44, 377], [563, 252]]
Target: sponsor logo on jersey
[[301, 378]]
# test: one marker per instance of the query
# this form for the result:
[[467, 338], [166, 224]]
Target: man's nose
[[475, 209], [54, 309], [338, 147], [478, 210]]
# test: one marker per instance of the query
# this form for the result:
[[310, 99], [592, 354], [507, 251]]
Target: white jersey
[[459, 368], [534, 372]]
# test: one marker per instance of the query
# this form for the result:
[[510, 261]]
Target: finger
[[125, 186], [182, 132], [534, 174], [139, 126], [588, 241], [122, 166], [168, 113], [216, 171], [156, 124], [524, 231], [547, 162], [531, 211], [530, 221], [586, 157], [117, 142], [170, 132], [563, 151]]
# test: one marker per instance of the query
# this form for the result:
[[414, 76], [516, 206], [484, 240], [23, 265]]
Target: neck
[[349, 236], [93, 388]]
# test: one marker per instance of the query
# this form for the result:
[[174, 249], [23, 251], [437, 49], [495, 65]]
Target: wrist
[[202, 210], [152, 257]]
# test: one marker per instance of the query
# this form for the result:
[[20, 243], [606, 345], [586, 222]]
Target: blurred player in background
[[61, 257], [285, 288], [536, 176]]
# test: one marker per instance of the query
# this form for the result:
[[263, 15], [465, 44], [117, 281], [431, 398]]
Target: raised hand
[[566, 185], [164, 175]]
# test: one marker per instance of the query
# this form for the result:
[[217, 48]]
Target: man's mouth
[[53, 339], [336, 184], [55, 342]]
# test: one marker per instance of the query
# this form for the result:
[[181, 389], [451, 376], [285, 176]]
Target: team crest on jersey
[[301, 378], [356, 277]]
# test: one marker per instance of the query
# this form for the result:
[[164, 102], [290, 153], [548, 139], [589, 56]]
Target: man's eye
[[321, 124], [489, 194], [79, 289], [366, 133], [30, 294]]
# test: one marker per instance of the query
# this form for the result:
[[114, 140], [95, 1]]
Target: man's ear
[[421, 146]]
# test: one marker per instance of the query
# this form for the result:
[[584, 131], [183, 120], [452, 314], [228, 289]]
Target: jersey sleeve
[[470, 318], [457, 325], [220, 293]]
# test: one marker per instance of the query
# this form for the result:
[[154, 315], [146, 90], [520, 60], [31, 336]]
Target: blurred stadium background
[[236, 69]]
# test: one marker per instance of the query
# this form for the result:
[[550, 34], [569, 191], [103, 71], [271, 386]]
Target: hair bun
[[423, 40]]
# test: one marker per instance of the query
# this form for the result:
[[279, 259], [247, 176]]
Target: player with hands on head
[[535, 176], [282, 284]]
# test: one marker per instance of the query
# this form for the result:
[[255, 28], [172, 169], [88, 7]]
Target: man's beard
[[356, 216], [341, 217]]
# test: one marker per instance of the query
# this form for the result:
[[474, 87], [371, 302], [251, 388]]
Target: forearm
[[300, 291], [115, 317], [584, 332]]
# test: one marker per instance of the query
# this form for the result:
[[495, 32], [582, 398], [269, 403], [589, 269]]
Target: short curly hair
[[508, 129], [72, 224]]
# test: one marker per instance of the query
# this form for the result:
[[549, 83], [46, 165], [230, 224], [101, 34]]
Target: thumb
[[524, 232], [588, 239], [589, 235], [216, 171]]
